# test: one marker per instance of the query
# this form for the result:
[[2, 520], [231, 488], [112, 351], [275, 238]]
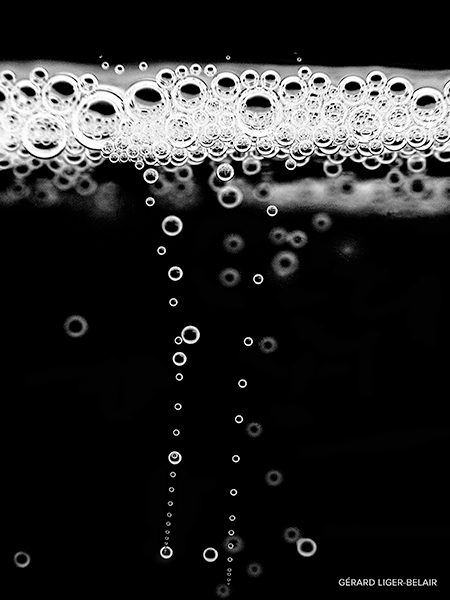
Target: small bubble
[[175, 273], [306, 546], [151, 175], [290, 164], [228, 57], [190, 334], [210, 70], [210, 554], [181, 71], [238, 419], [258, 278], [242, 383], [179, 358], [119, 69], [173, 302], [172, 225], [248, 341], [105, 65], [195, 69], [161, 250], [225, 171], [233, 492], [299, 59], [272, 210], [150, 201], [177, 406], [174, 458], [235, 459], [143, 66]]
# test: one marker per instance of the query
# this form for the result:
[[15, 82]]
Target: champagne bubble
[[229, 277], [291, 534], [175, 273], [233, 243], [306, 547], [172, 225], [230, 196], [278, 235]]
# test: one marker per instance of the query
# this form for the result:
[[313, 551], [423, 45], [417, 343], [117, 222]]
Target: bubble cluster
[[189, 114]]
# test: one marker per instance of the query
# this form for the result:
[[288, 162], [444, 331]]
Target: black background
[[88, 421]]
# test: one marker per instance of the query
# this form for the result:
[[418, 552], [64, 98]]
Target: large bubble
[[97, 118], [25, 96], [146, 100], [61, 94], [226, 86], [189, 94], [44, 135], [258, 111], [428, 107]]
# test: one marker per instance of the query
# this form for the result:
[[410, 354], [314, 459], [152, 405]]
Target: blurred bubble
[[297, 238], [285, 263], [291, 534], [229, 277], [254, 429], [273, 477], [268, 344], [254, 569], [230, 196], [233, 243]]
